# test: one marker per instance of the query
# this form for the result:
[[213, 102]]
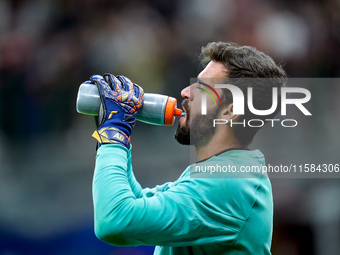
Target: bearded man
[[230, 214]]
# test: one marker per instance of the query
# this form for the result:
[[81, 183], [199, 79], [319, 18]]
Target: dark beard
[[201, 128], [182, 135]]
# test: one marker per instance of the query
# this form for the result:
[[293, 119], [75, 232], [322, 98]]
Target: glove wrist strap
[[111, 135]]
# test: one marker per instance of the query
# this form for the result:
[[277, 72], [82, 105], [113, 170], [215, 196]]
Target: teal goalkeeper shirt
[[193, 215]]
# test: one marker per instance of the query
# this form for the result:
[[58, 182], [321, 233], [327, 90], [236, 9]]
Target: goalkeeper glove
[[121, 99]]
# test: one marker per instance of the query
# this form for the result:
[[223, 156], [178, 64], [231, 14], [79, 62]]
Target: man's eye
[[199, 84]]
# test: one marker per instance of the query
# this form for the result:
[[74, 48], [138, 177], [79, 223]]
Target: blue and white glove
[[121, 99]]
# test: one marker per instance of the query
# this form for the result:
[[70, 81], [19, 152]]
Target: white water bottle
[[156, 109]]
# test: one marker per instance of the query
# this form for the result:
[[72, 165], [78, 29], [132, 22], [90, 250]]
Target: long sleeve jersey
[[192, 215]]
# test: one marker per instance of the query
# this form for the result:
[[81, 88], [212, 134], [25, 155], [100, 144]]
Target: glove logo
[[119, 137], [111, 113]]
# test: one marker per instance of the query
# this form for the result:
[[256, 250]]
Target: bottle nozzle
[[177, 112]]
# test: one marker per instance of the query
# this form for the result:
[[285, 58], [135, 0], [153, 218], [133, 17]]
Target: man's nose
[[186, 92]]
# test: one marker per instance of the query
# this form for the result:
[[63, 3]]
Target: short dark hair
[[247, 67]]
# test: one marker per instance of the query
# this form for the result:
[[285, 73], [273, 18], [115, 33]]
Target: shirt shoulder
[[229, 193]]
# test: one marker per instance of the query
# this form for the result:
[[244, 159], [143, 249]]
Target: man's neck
[[216, 145]]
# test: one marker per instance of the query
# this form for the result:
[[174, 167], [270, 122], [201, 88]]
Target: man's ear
[[228, 113]]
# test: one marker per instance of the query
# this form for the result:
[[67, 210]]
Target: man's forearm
[[112, 194]]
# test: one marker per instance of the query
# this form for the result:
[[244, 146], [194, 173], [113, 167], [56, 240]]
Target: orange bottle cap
[[171, 111]]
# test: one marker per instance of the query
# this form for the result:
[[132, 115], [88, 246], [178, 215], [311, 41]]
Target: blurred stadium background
[[47, 48]]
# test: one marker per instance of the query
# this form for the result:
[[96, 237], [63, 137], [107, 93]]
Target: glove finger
[[138, 96], [96, 77], [100, 82], [115, 84], [126, 83], [138, 90]]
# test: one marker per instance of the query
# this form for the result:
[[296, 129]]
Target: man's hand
[[121, 100]]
